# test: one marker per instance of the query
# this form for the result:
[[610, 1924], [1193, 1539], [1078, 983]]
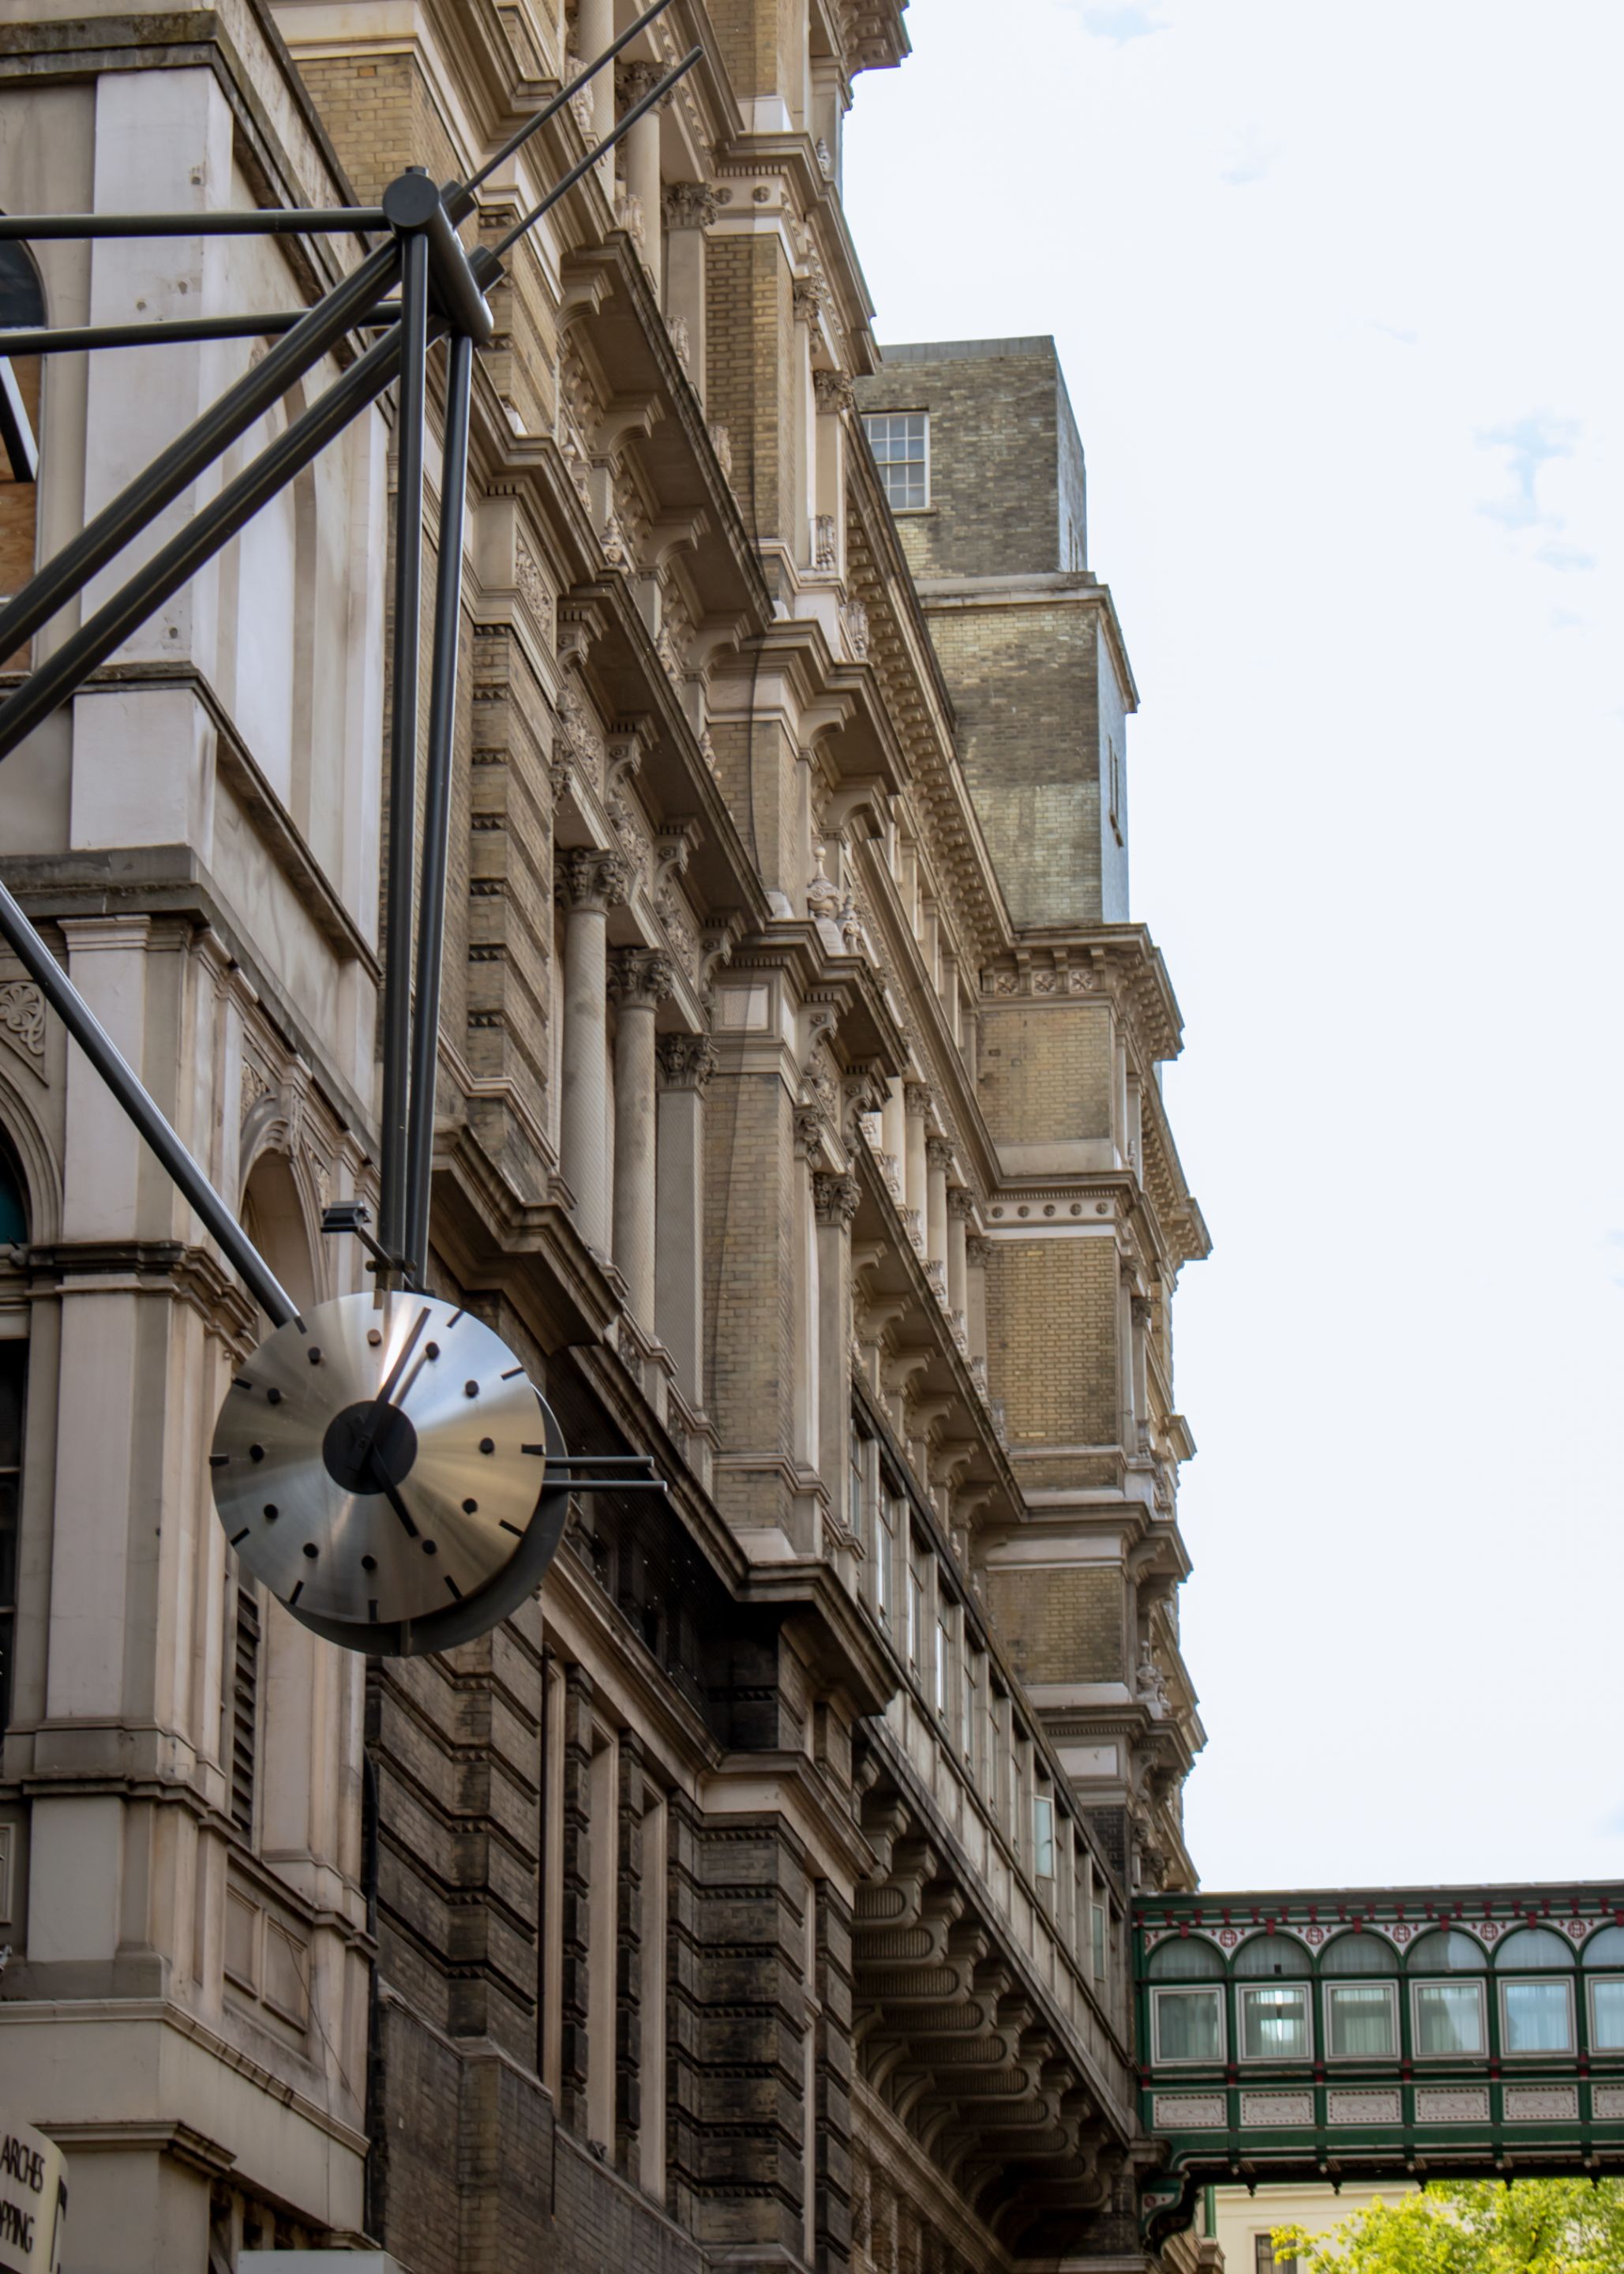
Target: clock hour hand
[[391, 1492], [374, 1421]]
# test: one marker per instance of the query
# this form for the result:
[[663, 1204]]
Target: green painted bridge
[[1453, 2032]]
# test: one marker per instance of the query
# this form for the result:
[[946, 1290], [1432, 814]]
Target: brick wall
[[1061, 1626], [1046, 1075], [1025, 684], [749, 329], [1051, 1337]]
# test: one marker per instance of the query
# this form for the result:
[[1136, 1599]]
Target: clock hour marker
[[220, 1460], [256, 1452], [272, 1511], [311, 1550], [510, 1527], [451, 1584], [470, 1390], [535, 1448], [512, 1374], [294, 1597], [470, 1508], [487, 1444], [431, 1547], [273, 1396], [431, 1349], [369, 1563], [235, 1536], [315, 1353], [372, 1608]]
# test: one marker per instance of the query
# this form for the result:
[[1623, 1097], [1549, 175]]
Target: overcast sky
[[1337, 292]]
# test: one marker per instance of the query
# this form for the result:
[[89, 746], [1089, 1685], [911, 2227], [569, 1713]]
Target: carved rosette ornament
[[835, 1196], [687, 1061], [639, 977], [584, 877]]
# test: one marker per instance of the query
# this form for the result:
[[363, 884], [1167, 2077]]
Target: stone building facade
[[759, 1896]]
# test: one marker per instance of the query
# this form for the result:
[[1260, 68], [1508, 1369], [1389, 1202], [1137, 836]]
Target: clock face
[[379, 1462]]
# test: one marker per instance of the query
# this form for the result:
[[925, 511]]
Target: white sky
[[1337, 292]]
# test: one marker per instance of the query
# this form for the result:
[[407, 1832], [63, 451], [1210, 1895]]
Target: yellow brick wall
[[749, 335], [1052, 1339], [1061, 1626], [1045, 1072]]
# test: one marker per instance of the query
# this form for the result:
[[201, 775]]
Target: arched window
[[1450, 2018], [13, 1400], [22, 303], [1607, 1992], [1448, 1952], [1536, 2017], [1272, 2019], [1270, 1954], [1361, 1998], [1358, 1953], [1186, 2019]]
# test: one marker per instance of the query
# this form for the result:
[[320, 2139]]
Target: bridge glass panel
[[1533, 1950], [1607, 2013], [1536, 2017], [1448, 1952], [1605, 1949], [1187, 2022], [1274, 2018], [1450, 2019]]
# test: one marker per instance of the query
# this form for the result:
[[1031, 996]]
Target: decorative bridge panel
[[1455, 2032]]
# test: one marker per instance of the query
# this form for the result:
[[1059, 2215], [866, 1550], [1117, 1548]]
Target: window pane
[[1533, 1950], [1358, 1953], [939, 1678], [1188, 2025], [1538, 2019], [1360, 2020], [1043, 1836], [1448, 2017], [1607, 2013], [1099, 1943], [1274, 2023], [1185, 1957]]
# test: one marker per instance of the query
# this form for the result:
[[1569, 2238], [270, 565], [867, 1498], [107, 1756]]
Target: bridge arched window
[[1273, 2001], [1536, 2016], [1450, 2017], [22, 303], [1360, 1972], [1607, 1992], [1187, 2015]]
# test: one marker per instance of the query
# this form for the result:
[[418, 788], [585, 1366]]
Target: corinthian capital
[[939, 1153], [689, 205], [687, 1061], [918, 1097], [961, 1204], [835, 1195], [584, 877], [639, 977], [834, 390]]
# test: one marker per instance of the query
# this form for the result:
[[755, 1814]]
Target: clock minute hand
[[374, 1420]]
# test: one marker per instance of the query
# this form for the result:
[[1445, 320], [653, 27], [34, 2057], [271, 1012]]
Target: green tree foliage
[[1536, 2226]]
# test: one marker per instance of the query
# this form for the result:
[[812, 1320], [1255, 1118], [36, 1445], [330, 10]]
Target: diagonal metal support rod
[[58, 678], [126, 1086], [173, 470]]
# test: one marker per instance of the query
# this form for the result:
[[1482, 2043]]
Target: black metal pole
[[460, 198], [184, 554], [76, 339], [275, 220], [403, 742], [622, 125], [436, 802], [168, 474], [126, 1084]]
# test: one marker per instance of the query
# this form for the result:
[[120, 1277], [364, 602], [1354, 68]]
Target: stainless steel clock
[[387, 1468]]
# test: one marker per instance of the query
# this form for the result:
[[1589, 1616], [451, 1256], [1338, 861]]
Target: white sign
[[33, 2200]]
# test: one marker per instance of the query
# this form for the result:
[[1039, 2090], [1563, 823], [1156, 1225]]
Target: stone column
[[687, 1064], [642, 159], [595, 31], [690, 208], [939, 1159], [916, 1170], [978, 1254], [588, 884], [639, 980], [894, 1136], [960, 1214], [834, 1202]]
